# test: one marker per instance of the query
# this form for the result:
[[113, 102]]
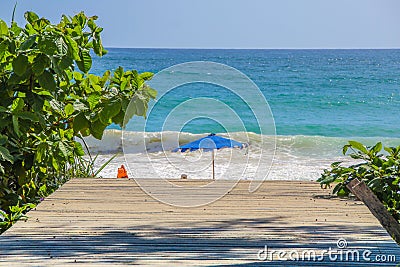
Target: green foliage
[[16, 213], [380, 172], [48, 98]]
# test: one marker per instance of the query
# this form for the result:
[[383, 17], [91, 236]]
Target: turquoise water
[[319, 99], [333, 93]]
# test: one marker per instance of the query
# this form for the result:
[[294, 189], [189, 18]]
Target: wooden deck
[[112, 222]]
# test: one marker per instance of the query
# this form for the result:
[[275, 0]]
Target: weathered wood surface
[[362, 192], [112, 222]]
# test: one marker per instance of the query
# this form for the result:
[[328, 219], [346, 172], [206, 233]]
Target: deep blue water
[[338, 93]]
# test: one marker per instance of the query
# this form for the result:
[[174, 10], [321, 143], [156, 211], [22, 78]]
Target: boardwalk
[[112, 222]]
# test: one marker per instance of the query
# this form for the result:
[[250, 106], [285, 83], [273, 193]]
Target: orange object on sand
[[122, 173]]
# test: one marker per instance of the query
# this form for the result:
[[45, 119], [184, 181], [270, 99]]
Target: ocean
[[318, 100]]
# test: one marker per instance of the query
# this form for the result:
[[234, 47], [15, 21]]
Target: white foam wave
[[296, 157]]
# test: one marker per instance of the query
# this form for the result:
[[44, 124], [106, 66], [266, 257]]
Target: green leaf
[[338, 187], [27, 116], [3, 28], [151, 92], [62, 47], [28, 43], [20, 172], [29, 160], [31, 16], [3, 50], [118, 73], [16, 79], [97, 47], [130, 112], [358, 146], [377, 148], [97, 129], [16, 126], [63, 149], [20, 64], [124, 83], [79, 19], [44, 93], [65, 19], [40, 151], [93, 100], [93, 79], [119, 118], [140, 107], [65, 63], [109, 111], [47, 45], [345, 148], [3, 139], [356, 156], [80, 122], [91, 24], [86, 63], [5, 155], [146, 75], [40, 63], [73, 49], [390, 150], [327, 180], [343, 192], [336, 164], [46, 81], [17, 105], [15, 28], [40, 24], [69, 109], [104, 79], [54, 163], [3, 109], [78, 76], [79, 149]]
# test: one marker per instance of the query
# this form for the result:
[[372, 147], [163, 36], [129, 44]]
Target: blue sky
[[232, 23]]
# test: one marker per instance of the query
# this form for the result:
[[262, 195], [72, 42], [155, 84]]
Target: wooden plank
[[365, 194], [112, 222]]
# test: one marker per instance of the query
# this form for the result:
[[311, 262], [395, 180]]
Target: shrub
[[380, 172], [48, 99]]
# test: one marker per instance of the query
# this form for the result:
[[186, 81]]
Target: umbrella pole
[[213, 165]]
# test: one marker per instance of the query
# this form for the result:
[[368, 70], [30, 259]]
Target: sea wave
[[149, 155], [300, 145]]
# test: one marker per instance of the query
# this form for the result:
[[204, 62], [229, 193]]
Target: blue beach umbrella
[[209, 143]]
